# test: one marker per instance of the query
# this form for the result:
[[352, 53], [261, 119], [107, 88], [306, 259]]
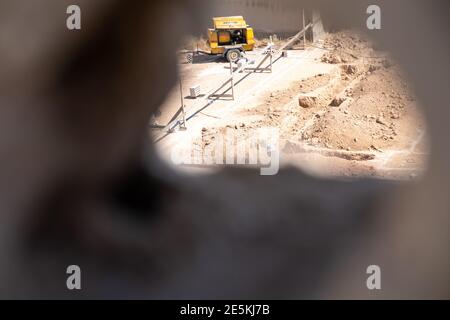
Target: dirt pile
[[381, 113], [365, 104], [345, 47]]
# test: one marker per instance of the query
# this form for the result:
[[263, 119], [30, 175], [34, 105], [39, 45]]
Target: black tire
[[233, 55]]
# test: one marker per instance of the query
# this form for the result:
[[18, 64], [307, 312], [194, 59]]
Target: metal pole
[[304, 35], [270, 60], [232, 79], [183, 126]]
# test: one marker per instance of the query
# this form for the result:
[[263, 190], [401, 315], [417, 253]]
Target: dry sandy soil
[[352, 115]]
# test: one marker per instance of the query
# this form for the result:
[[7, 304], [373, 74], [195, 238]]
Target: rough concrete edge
[[318, 31]]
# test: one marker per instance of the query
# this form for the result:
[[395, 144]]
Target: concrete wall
[[281, 17]]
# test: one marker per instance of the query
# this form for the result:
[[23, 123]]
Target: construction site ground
[[342, 109]]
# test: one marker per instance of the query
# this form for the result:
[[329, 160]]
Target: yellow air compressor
[[230, 36]]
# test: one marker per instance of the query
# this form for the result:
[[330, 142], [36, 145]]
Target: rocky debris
[[355, 156], [337, 101], [386, 63], [345, 47], [373, 68], [331, 58], [395, 115], [313, 83], [308, 101], [376, 115], [382, 121], [349, 69]]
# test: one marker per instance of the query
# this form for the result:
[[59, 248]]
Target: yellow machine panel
[[236, 22], [212, 36], [250, 36]]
